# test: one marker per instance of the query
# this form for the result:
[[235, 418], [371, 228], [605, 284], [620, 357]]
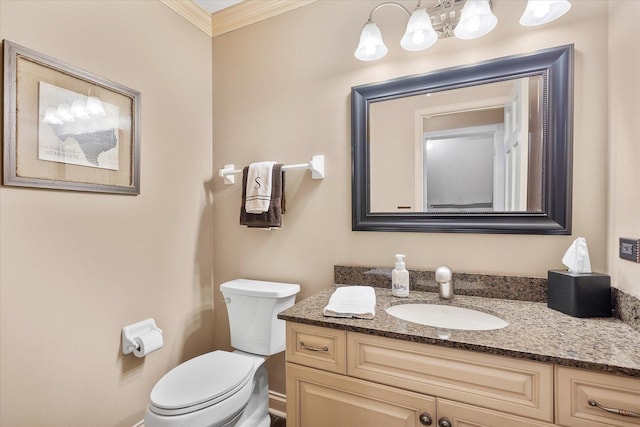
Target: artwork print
[[66, 128], [77, 129]]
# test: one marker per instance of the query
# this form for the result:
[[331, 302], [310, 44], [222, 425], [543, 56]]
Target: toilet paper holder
[[136, 330]]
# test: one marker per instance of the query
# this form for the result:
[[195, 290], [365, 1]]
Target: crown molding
[[232, 18], [192, 13], [249, 12]]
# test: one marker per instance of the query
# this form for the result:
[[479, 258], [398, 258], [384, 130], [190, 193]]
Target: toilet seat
[[201, 382]]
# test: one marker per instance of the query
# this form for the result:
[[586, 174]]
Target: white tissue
[[577, 257], [148, 342]]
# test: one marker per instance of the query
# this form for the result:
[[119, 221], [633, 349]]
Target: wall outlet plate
[[630, 249]]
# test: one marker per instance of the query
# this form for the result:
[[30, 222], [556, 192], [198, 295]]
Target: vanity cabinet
[[389, 382]]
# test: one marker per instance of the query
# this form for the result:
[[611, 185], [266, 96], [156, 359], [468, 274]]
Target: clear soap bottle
[[400, 278]]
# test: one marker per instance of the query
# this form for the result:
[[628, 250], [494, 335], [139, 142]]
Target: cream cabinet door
[[455, 414], [322, 399]]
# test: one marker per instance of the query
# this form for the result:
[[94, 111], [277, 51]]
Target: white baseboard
[[278, 404]]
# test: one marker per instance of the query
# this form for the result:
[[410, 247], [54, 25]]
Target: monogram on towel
[[272, 218], [258, 191]]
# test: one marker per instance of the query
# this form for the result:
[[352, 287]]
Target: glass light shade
[[476, 20], [540, 12], [371, 46], [420, 33]]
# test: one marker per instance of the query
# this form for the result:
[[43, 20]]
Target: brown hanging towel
[[272, 218]]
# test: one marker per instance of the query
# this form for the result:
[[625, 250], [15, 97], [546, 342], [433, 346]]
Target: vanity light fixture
[[465, 19]]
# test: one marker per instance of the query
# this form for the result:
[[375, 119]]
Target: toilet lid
[[201, 382]]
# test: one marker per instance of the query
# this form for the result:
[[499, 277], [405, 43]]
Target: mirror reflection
[[466, 150]]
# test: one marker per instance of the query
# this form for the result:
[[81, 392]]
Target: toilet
[[224, 388]]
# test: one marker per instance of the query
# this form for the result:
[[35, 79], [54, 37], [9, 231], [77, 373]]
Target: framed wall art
[[67, 129]]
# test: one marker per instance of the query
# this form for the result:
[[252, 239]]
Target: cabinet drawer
[[461, 415], [506, 384], [318, 347], [575, 387], [322, 399]]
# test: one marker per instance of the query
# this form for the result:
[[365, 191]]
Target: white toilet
[[223, 388]]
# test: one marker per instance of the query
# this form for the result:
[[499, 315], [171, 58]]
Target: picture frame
[[66, 128]]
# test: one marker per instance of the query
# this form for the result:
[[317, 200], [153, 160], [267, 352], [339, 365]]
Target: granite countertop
[[535, 332]]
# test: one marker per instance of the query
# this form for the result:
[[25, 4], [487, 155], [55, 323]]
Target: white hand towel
[[258, 187], [352, 301]]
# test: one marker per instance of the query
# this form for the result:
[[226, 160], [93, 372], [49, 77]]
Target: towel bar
[[316, 166]]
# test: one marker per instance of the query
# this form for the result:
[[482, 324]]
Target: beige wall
[[77, 267], [624, 131], [67, 285], [290, 77]]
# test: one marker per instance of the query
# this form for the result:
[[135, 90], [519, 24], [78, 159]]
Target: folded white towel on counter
[[258, 191], [352, 301]]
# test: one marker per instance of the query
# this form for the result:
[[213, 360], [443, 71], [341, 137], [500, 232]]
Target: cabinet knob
[[425, 419], [444, 422]]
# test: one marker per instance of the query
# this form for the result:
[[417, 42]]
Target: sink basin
[[447, 317]]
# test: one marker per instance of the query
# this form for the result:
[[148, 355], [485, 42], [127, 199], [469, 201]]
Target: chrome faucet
[[445, 282]]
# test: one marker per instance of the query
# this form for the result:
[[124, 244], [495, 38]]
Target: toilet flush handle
[[227, 300]]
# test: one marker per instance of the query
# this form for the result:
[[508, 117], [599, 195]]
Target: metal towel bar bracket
[[316, 166]]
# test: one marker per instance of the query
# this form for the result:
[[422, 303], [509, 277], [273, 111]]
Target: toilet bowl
[[228, 388], [214, 390]]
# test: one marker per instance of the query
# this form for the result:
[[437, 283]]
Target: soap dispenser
[[400, 278]]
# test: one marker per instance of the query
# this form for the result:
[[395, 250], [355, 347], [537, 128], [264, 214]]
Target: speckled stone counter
[[535, 331], [477, 285]]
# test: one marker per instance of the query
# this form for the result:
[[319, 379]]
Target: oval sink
[[446, 316]]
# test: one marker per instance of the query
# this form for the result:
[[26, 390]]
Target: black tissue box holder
[[579, 294]]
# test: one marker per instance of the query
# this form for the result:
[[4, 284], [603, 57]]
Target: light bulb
[[541, 11], [369, 49], [418, 37], [473, 24]]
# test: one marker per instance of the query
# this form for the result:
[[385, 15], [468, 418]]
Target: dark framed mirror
[[481, 148]]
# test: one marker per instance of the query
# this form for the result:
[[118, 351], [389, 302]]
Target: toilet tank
[[253, 307]]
